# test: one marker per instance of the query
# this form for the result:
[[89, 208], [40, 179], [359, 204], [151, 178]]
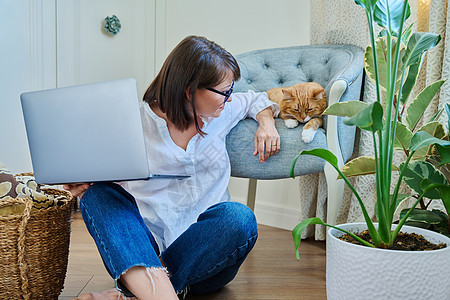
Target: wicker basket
[[34, 249]]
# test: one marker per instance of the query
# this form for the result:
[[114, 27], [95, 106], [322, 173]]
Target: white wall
[[87, 53], [27, 62], [54, 43], [236, 25], [241, 26]]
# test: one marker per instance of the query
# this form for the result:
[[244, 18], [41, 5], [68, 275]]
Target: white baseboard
[[275, 216]]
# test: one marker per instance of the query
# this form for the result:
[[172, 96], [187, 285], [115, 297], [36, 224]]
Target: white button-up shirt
[[170, 206]]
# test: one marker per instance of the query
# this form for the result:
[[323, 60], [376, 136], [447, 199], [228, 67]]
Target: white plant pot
[[360, 272]]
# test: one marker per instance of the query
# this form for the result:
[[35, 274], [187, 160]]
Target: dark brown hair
[[193, 64]]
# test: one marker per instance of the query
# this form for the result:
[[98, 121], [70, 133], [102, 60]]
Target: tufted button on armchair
[[339, 69]]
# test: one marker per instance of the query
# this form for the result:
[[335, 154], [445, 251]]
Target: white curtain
[[344, 22]]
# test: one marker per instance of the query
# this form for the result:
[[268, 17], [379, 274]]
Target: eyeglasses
[[227, 94]]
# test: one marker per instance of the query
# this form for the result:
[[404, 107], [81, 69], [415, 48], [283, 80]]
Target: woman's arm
[[267, 139], [249, 104]]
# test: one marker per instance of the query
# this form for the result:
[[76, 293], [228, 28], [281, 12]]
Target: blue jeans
[[203, 259]]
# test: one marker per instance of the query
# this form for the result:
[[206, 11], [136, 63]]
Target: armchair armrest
[[335, 186], [337, 90]]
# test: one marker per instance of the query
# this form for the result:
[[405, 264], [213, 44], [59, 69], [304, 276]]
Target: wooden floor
[[271, 270]]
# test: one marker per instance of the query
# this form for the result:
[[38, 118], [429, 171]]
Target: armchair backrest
[[279, 67]]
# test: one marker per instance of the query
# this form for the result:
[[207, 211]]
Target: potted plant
[[372, 270]]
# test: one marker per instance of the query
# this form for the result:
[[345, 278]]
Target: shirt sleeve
[[249, 104]]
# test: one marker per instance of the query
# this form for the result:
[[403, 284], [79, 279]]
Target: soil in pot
[[404, 241]]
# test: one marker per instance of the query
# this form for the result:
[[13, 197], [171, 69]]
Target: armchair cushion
[[244, 164]]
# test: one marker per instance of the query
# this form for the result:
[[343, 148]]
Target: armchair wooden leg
[[335, 191], [251, 194]]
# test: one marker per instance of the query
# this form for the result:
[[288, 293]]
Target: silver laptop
[[87, 133]]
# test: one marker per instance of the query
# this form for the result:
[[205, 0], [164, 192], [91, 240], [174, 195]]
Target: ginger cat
[[303, 102]]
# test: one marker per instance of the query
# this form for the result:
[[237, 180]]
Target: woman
[[160, 238]]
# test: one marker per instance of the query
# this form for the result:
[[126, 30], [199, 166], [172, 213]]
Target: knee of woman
[[241, 220], [92, 194]]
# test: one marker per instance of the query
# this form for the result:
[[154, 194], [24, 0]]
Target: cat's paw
[[291, 123], [308, 135]]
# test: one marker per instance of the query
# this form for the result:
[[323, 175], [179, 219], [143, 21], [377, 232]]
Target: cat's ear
[[287, 94], [319, 93], [317, 90]]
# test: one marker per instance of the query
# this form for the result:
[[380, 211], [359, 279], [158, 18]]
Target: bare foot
[[111, 294]]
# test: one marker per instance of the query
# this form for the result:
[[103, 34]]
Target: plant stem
[[397, 186], [422, 204], [383, 226], [380, 210], [403, 108], [377, 167], [380, 172], [374, 53], [394, 79], [380, 167], [392, 121], [394, 129]]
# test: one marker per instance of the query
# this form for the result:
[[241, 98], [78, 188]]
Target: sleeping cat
[[303, 102]]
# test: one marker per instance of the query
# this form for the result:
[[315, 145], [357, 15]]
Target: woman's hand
[[267, 139], [77, 189]]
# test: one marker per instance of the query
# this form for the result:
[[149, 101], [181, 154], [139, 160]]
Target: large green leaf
[[345, 109], [410, 81], [422, 215], [442, 189], [418, 44], [434, 129], [366, 4], [403, 137], [363, 165], [442, 215], [420, 103], [419, 224], [419, 171], [370, 118], [445, 196], [423, 139], [444, 153], [428, 220], [388, 14], [381, 52], [406, 34]]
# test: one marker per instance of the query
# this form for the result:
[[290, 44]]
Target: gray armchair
[[339, 69]]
